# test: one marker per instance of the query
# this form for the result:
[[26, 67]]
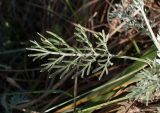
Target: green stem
[[131, 58], [103, 104]]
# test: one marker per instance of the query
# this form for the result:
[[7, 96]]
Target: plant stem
[[153, 37], [75, 92], [131, 58], [67, 54]]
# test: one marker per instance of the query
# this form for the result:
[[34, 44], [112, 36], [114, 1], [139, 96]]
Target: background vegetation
[[25, 89]]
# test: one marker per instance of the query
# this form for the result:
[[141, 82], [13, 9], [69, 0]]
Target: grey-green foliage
[[127, 14], [148, 88], [62, 58]]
